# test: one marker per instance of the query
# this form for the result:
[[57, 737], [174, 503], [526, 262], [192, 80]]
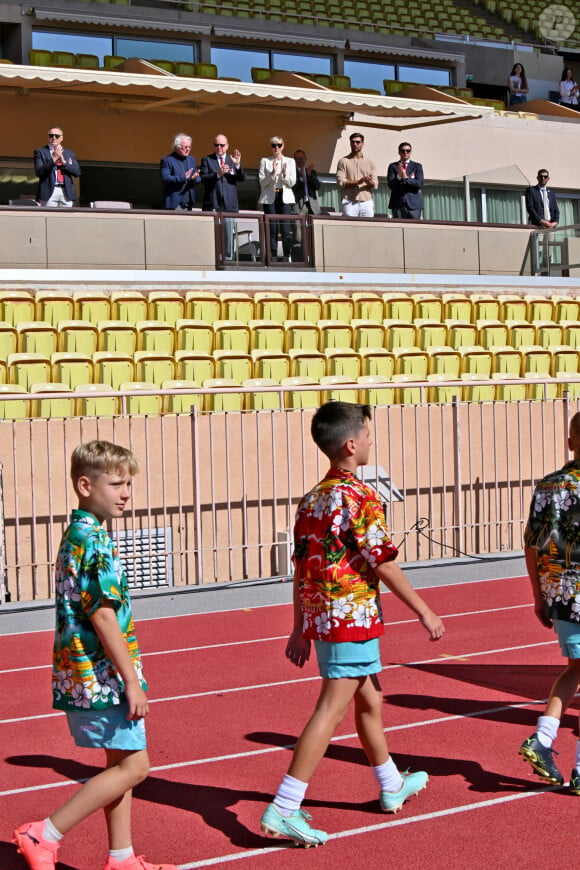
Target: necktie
[[546, 204], [305, 182]]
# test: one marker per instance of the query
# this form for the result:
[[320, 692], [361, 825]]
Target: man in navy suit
[[55, 167], [405, 179], [220, 173], [179, 175], [541, 203]]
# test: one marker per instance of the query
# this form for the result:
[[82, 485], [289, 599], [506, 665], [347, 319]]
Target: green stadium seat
[[87, 61], [39, 57], [63, 58]]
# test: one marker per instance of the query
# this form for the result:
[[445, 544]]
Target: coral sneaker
[[39, 854], [136, 862], [392, 801]]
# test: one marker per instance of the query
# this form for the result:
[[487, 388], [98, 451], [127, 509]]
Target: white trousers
[[358, 209]]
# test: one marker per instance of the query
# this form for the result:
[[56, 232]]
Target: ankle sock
[[121, 854], [50, 833], [388, 776], [547, 730], [290, 795], [577, 763]]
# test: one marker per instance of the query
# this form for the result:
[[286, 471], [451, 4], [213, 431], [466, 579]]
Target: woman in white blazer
[[277, 177]]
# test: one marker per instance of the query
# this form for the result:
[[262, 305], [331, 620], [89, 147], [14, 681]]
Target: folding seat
[[460, 333], [237, 306], [17, 409], [569, 384], [508, 392], [77, 336], [399, 334], [260, 401], [564, 359], [522, 334], [536, 359], [305, 307], [431, 334], [267, 335], [227, 396], [51, 407], [492, 334], [540, 308], [273, 306], [153, 367], [513, 307], [93, 305], [110, 61], [166, 305], [565, 308], [398, 307], [507, 360], [301, 335], [113, 368], [442, 394], [181, 403], [231, 335], [194, 335], [202, 305], [335, 391], [28, 368], [128, 305], [193, 366], [297, 398], [337, 306], [63, 58], [571, 334], [8, 340], [39, 57], [155, 335], [166, 65], [3, 372], [412, 361], [143, 405], [457, 306], [117, 336], [444, 361], [368, 333], [476, 360], [377, 362], [37, 336], [72, 368], [87, 61], [474, 390], [233, 364], [485, 307], [52, 306], [307, 363], [271, 364], [428, 307], [343, 362], [538, 391], [368, 306], [549, 334], [406, 395], [16, 306], [334, 334], [95, 405], [370, 392]]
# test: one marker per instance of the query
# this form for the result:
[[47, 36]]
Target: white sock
[[50, 833], [577, 764], [388, 776], [121, 854], [547, 730], [290, 795]]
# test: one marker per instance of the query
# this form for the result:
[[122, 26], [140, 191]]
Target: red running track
[[227, 707]]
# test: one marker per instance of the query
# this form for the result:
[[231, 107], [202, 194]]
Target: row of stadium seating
[[54, 306]]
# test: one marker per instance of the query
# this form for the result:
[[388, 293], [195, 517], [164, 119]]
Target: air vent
[[146, 556]]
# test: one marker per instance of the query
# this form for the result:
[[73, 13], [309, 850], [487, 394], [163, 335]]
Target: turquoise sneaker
[[294, 827], [392, 801]]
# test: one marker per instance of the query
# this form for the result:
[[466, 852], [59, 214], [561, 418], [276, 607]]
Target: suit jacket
[[45, 170], [177, 189], [535, 205], [269, 185], [313, 185], [220, 193], [406, 192]]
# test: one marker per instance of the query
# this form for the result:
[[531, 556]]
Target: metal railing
[[554, 252]]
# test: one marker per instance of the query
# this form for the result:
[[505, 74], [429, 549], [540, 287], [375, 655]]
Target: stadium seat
[[457, 306], [406, 395], [486, 307], [339, 388], [441, 394], [398, 307], [37, 336], [16, 305], [301, 335], [461, 333], [368, 333], [368, 306], [77, 336], [181, 403], [237, 306], [166, 65], [507, 360], [196, 335], [337, 306], [149, 405], [564, 359], [476, 360], [570, 386], [307, 363], [492, 334], [63, 58], [154, 367], [92, 306], [51, 407], [193, 366], [428, 307], [266, 335], [72, 368], [54, 307], [87, 61], [228, 398], [399, 334], [166, 305], [413, 362], [271, 306], [343, 362], [95, 405], [305, 307], [536, 359], [370, 392], [538, 391], [233, 365], [508, 392], [117, 336], [202, 305], [260, 401], [377, 362], [431, 334], [522, 334], [8, 340], [334, 334], [206, 70], [270, 364], [566, 309], [184, 68], [444, 361], [128, 305], [540, 308], [17, 409], [549, 334], [39, 57], [232, 335], [297, 398], [474, 390], [155, 335], [113, 368], [571, 334], [513, 307], [111, 61]]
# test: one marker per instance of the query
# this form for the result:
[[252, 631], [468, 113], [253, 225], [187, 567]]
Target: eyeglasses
[[54, 135], [275, 144], [219, 144], [404, 150]]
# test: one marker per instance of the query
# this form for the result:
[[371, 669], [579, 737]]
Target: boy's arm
[[105, 623], [298, 647], [532, 566], [395, 580]]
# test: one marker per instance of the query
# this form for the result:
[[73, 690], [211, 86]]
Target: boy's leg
[[118, 811]]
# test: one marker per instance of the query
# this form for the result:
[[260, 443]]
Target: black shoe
[[540, 757], [575, 781]]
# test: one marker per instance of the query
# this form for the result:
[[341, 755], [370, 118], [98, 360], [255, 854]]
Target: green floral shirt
[[553, 529], [89, 574]]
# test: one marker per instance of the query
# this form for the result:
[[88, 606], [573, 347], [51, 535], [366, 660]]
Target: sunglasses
[[404, 150], [543, 176], [275, 145], [54, 135], [355, 141], [219, 144]]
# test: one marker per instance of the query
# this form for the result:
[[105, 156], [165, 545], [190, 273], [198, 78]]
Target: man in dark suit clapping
[[220, 174], [55, 168], [405, 179]]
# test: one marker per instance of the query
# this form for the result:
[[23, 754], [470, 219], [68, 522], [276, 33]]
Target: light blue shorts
[[568, 637], [350, 659], [107, 729]]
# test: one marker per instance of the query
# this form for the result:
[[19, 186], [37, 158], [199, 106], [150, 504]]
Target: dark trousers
[[282, 227], [408, 213]]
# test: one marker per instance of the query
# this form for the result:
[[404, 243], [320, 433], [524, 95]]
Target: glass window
[[237, 63], [446, 203], [149, 50], [503, 206], [367, 74], [301, 62], [75, 42], [424, 75]]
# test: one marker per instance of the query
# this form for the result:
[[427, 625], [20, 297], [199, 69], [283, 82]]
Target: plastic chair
[[77, 336], [54, 307], [166, 305], [536, 359], [474, 390], [549, 334], [368, 333], [234, 365], [570, 385], [457, 306], [231, 335], [540, 308], [513, 307], [237, 306], [413, 362], [444, 361], [398, 307], [87, 61], [227, 396], [406, 395], [343, 361], [492, 334], [51, 407], [307, 363], [334, 334], [166, 65], [399, 334], [460, 333], [181, 403], [571, 334], [271, 306], [117, 336], [112, 61], [141, 405], [37, 336], [154, 367], [305, 307], [431, 334], [63, 58], [337, 306], [485, 307], [39, 57], [566, 309], [537, 391], [428, 307], [95, 405], [92, 305], [8, 340], [521, 333], [508, 392], [443, 394], [129, 305], [17, 305], [155, 335], [377, 362], [72, 368], [347, 394], [476, 360], [202, 305], [195, 335], [267, 335], [184, 68], [113, 368], [271, 364], [297, 398], [261, 401], [564, 359], [301, 335], [507, 360], [18, 409], [368, 306], [370, 394]]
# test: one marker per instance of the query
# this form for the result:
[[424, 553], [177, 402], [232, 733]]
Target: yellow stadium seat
[[334, 334], [92, 305], [196, 335], [368, 306], [202, 305], [512, 307], [540, 308], [237, 307], [442, 394], [232, 335], [77, 336], [485, 307], [113, 368], [8, 340], [16, 306], [261, 401], [72, 368], [522, 334], [95, 405], [270, 305], [181, 403], [406, 395], [377, 362], [117, 336], [476, 360], [431, 334], [193, 366], [564, 359], [492, 334], [233, 365], [566, 308], [297, 398], [412, 362], [549, 334], [155, 335], [399, 334], [368, 333], [507, 360], [457, 306], [508, 392], [25, 369], [571, 333], [337, 306], [140, 404], [343, 362], [570, 385], [536, 359], [17, 409], [166, 305], [428, 307], [153, 367], [538, 391], [270, 364], [52, 306], [474, 390], [370, 392], [51, 407], [461, 333], [227, 396], [307, 363], [301, 335], [305, 307], [444, 361], [128, 305], [267, 335], [398, 307], [340, 388], [36, 336]]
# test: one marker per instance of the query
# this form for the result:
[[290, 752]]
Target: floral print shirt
[[553, 529], [89, 574], [340, 537]]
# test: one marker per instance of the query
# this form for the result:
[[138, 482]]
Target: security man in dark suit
[[541, 203], [179, 175], [306, 195], [56, 167], [220, 174], [405, 179]]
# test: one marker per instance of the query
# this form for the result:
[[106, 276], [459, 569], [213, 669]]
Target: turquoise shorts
[[107, 729], [568, 637], [349, 659]]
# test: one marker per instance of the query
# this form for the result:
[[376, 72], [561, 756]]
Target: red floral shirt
[[340, 537]]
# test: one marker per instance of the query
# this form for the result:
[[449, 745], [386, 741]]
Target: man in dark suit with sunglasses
[[405, 179]]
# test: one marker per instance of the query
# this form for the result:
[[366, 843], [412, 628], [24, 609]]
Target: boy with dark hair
[[342, 550], [96, 675]]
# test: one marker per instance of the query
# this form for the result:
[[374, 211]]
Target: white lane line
[[208, 646], [368, 829], [338, 738], [234, 689]]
